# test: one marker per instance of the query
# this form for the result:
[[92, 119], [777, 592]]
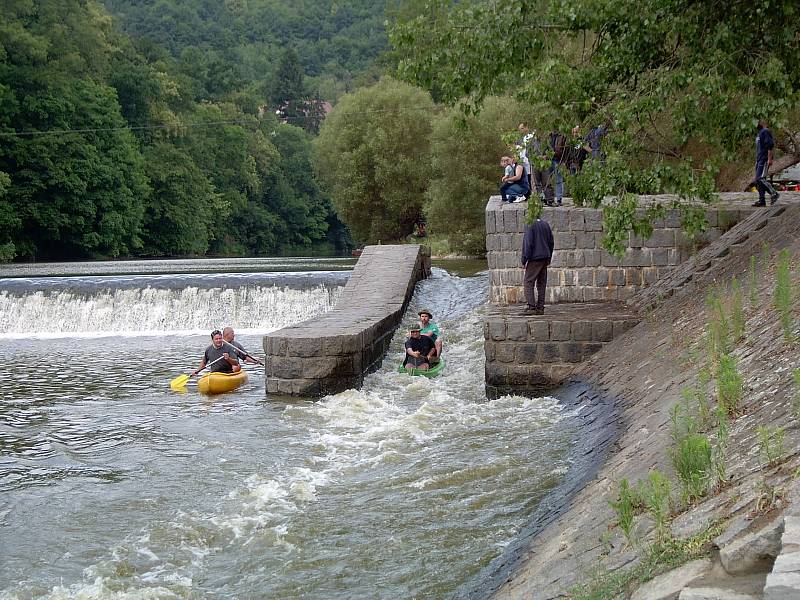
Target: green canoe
[[432, 372]]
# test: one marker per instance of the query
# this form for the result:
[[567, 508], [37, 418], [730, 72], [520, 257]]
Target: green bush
[[770, 442], [721, 447], [796, 395], [753, 286], [656, 497], [783, 295], [691, 459], [737, 311], [718, 326], [729, 384], [625, 508]]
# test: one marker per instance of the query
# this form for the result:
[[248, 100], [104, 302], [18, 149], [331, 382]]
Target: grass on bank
[[663, 555], [699, 464]]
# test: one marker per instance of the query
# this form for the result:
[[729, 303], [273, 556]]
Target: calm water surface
[[113, 486]]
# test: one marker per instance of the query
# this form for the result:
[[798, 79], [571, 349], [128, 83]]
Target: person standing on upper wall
[[558, 146], [537, 252], [764, 145]]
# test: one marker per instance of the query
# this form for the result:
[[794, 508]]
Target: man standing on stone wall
[[537, 252], [764, 145]]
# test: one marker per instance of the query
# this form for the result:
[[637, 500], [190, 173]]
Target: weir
[[333, 352], [590, 293]]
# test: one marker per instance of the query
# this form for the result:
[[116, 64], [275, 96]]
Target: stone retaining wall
[[533, 353], [333, 352], [581, 270]]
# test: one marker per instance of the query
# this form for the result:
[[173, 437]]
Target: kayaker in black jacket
[[537, 252], [418, 347]]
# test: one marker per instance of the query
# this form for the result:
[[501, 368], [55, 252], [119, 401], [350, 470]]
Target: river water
[[114, 486]]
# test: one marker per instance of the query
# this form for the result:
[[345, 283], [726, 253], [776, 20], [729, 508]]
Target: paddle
[[180, 381], [245, 352]]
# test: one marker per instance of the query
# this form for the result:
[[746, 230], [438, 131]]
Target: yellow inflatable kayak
[[217, 383]]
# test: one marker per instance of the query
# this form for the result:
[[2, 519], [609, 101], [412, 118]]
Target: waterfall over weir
[[146, 305]]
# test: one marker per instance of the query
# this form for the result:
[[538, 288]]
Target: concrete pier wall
[[536, 353], [333, 352], [581, 270], [590, 294]]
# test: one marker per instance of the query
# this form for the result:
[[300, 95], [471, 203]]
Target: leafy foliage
[[228, 47], [678, 85], [464, 170], [373, 156], [105, 150]]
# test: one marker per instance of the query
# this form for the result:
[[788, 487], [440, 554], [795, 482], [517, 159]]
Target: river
[[114, 486]]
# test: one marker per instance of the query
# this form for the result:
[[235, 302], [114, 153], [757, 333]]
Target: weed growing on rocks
[[752, 286], [721, 448], [656, 497], [796, 396], [737, 312], [625, 508], [770, 442], [768, 496], [665, 554], [691, 455], [719, 326], [697, 398], [783, 295], [691, 459], [729, 384]]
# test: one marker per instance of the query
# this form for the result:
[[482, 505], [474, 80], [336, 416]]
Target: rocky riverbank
[[664, 362]]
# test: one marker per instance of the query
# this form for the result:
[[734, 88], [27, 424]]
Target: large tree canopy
[[465, 156], [372, 154], [680, 82], [76, 176]]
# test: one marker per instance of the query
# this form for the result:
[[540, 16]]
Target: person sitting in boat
[[228, 364], [430, 329], [229, 336], [418, 349]]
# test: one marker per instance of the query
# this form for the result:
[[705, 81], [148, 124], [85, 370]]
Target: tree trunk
[[778, 165]]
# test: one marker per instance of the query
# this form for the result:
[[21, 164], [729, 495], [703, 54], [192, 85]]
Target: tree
[[372, 154], [182, 209], [9, 221], [288, 86], [465, 154], [680, 83], [303, 205], [76, 176], [81, 193]]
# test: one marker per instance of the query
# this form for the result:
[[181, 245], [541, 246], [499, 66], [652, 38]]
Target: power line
[[198, 125], [124, 128]]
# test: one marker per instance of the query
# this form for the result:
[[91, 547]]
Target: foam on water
[[154, 312]]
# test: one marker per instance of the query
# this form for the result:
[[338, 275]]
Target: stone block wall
[[581, 270], [526, 353], [333, 352]]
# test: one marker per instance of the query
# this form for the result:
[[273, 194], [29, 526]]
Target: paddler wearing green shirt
[[429, 328]]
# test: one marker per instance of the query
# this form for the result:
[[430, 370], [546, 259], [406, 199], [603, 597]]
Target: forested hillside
[[237, 44], [163, 141]]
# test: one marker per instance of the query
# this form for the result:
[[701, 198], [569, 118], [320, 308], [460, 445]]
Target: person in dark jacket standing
[[764, 145], [537, 252]]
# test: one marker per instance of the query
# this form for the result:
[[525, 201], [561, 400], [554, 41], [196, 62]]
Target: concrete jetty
[[333, 352]]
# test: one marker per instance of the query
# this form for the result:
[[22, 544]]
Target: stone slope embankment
[[645, 370]]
